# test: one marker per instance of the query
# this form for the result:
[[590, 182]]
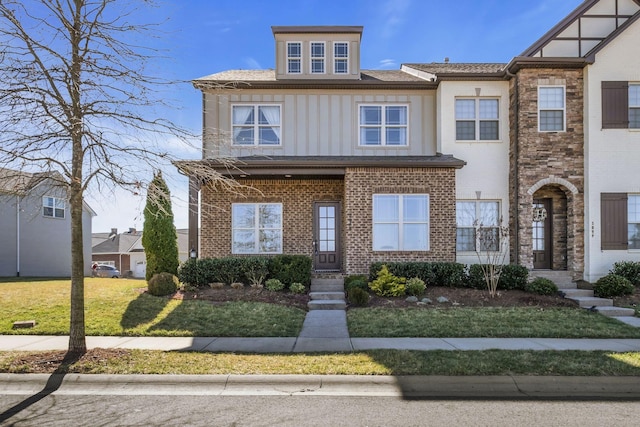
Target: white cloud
[[252, 63], [394, 14], [387, 63]]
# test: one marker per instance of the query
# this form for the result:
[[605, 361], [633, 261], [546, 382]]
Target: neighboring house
[[125, 251], [35, 225], [354, 166]]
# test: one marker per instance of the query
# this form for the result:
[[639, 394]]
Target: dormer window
[[294, 57], [341, 58], [317, 57]]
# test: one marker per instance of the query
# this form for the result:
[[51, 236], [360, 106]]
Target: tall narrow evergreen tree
[[159, 237]]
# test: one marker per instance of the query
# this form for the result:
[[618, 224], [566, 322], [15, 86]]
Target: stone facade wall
[[360, 186], [557, 157], [296, 195]]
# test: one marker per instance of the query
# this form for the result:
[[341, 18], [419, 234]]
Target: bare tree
[[77, 98]]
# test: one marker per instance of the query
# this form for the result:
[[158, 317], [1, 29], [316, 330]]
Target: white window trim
[[295, 58], [323, 58], [346, 58], [383, 126], [563, 109], [256, 229], [256, 125], [53, 215], [477, 210], [477, 119], [401, 223]]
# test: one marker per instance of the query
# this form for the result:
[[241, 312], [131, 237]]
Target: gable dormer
[[317, 52]]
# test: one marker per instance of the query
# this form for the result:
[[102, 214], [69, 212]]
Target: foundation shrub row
[[255, 271], [450, 274]]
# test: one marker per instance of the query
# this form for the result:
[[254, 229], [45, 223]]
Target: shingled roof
[[459, 68]]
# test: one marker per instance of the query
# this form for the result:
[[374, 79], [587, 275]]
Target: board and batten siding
[[320, 123]]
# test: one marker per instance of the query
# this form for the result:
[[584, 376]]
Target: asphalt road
[[147, 410]]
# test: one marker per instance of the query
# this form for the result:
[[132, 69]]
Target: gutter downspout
[[17, 236]]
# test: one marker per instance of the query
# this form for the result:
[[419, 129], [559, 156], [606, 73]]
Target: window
[[383, 125], [53, 207], [401, 222], [633, 218], [620, 216], [551, 106], [634, 106], [477, 226], [257, 228], [477, 120], [317, 57], [294, 57], [256, 124], [620, 105], [341, 58]]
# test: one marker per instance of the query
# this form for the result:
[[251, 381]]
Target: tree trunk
[[77, 341]]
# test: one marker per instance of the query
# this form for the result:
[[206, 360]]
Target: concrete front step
[[612, 311], [326, 288], [326, 295], [327, 281], [563, 279], [587, 302], [327, 305], [572, 293]]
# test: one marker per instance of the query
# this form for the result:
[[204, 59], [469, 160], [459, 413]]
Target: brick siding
[[356, 194]]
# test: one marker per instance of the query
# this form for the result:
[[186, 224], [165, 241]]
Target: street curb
[[408, 387]]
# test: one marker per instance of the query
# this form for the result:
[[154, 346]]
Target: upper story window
[[634, 106], [477, 119], [53, 207], [400, 222], [551, 108], [317, 57], [257, 228], [477, 226], [341, 58], [383, 125], [294, 57], [256, 124]]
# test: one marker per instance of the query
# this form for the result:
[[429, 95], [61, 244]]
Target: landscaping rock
[[442, 299], [426, 301], [412, 299]]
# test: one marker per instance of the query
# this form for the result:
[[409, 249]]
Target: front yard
[[122, 307]]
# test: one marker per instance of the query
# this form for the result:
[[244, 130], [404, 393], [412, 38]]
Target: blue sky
[[202, 37]]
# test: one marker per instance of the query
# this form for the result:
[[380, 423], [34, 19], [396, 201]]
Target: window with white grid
[[551, 108]]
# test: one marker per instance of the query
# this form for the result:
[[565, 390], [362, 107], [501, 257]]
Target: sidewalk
[[317, 344]]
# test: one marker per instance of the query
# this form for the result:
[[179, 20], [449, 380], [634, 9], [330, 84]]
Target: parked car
[[106, 271]]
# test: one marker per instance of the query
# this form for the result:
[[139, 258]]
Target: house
[[353, 166], [125, 252], [35, 225]]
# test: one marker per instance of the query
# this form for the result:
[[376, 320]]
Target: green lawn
[[526, 322], [118, 307]]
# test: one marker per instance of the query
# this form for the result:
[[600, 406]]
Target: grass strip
[[378, 362]]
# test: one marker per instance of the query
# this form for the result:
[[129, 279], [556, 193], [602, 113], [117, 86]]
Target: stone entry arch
[[565, 222]]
